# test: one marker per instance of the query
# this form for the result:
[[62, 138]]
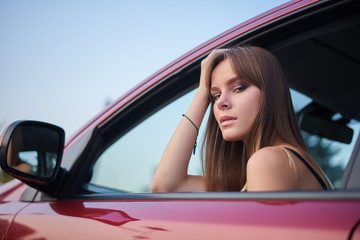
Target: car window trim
[[295, 196]]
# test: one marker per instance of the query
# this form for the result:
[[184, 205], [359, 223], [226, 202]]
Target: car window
[[129, 164], [331, 155]]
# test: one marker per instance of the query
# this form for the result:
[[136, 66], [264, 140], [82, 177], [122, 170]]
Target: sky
[[62, 61]]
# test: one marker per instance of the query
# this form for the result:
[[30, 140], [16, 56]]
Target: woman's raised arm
[[172, 172]]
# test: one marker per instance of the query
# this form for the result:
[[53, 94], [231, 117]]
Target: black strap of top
[[309, 167]]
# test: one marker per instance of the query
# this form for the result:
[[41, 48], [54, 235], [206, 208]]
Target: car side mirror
[[31, 151]]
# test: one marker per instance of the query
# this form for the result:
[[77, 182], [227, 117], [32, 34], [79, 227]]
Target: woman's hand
[[206, 69]]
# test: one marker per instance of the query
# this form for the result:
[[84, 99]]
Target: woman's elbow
[[156, 187]]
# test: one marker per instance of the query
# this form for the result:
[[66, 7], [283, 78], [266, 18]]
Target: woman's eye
[[240, 88], [215, 97]]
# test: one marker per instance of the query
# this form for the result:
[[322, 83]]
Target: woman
[[252, 141]]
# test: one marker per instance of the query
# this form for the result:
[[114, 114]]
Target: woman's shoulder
[[268, 156], [269, 169]]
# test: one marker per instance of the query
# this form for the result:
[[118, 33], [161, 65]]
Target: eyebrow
[[228, 82]]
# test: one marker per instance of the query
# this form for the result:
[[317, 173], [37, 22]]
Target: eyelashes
[[238, 88], [215, 97]]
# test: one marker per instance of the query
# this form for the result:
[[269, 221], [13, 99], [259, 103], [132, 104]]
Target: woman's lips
[[227, 120]]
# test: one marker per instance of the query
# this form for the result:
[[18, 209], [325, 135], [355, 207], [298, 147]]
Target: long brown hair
[[224, 163]]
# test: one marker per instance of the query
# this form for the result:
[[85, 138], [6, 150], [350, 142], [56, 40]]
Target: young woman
[[252, 141]]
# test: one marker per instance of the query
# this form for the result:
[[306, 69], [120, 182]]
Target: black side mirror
[[31, 152]]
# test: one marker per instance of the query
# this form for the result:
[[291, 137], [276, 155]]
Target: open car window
[[320, 59], [129, 164]]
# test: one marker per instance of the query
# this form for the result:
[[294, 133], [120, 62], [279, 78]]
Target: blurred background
[[63, 61]]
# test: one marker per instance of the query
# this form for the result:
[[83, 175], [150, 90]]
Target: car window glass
[[332, 156], [129, 164]]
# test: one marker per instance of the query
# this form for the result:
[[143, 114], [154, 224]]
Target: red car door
[[191, 216]]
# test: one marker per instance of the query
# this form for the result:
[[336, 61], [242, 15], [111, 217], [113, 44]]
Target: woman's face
[[236, 102]]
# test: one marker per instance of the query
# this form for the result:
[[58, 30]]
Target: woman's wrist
[[198, 106], [202, 93]]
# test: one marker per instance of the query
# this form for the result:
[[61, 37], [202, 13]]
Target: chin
[[231, 137]]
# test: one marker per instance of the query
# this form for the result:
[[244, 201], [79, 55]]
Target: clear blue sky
[[61, 61]]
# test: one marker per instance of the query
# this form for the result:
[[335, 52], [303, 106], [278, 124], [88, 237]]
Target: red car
[[97, 184]]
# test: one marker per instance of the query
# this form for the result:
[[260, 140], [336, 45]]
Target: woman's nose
[[223, 102]]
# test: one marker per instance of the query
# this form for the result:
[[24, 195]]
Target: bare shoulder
[[268, 169], [267, 158]]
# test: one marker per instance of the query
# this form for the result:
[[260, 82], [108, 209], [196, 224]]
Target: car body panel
[[187, 219], [356, 233], [10, 193]]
